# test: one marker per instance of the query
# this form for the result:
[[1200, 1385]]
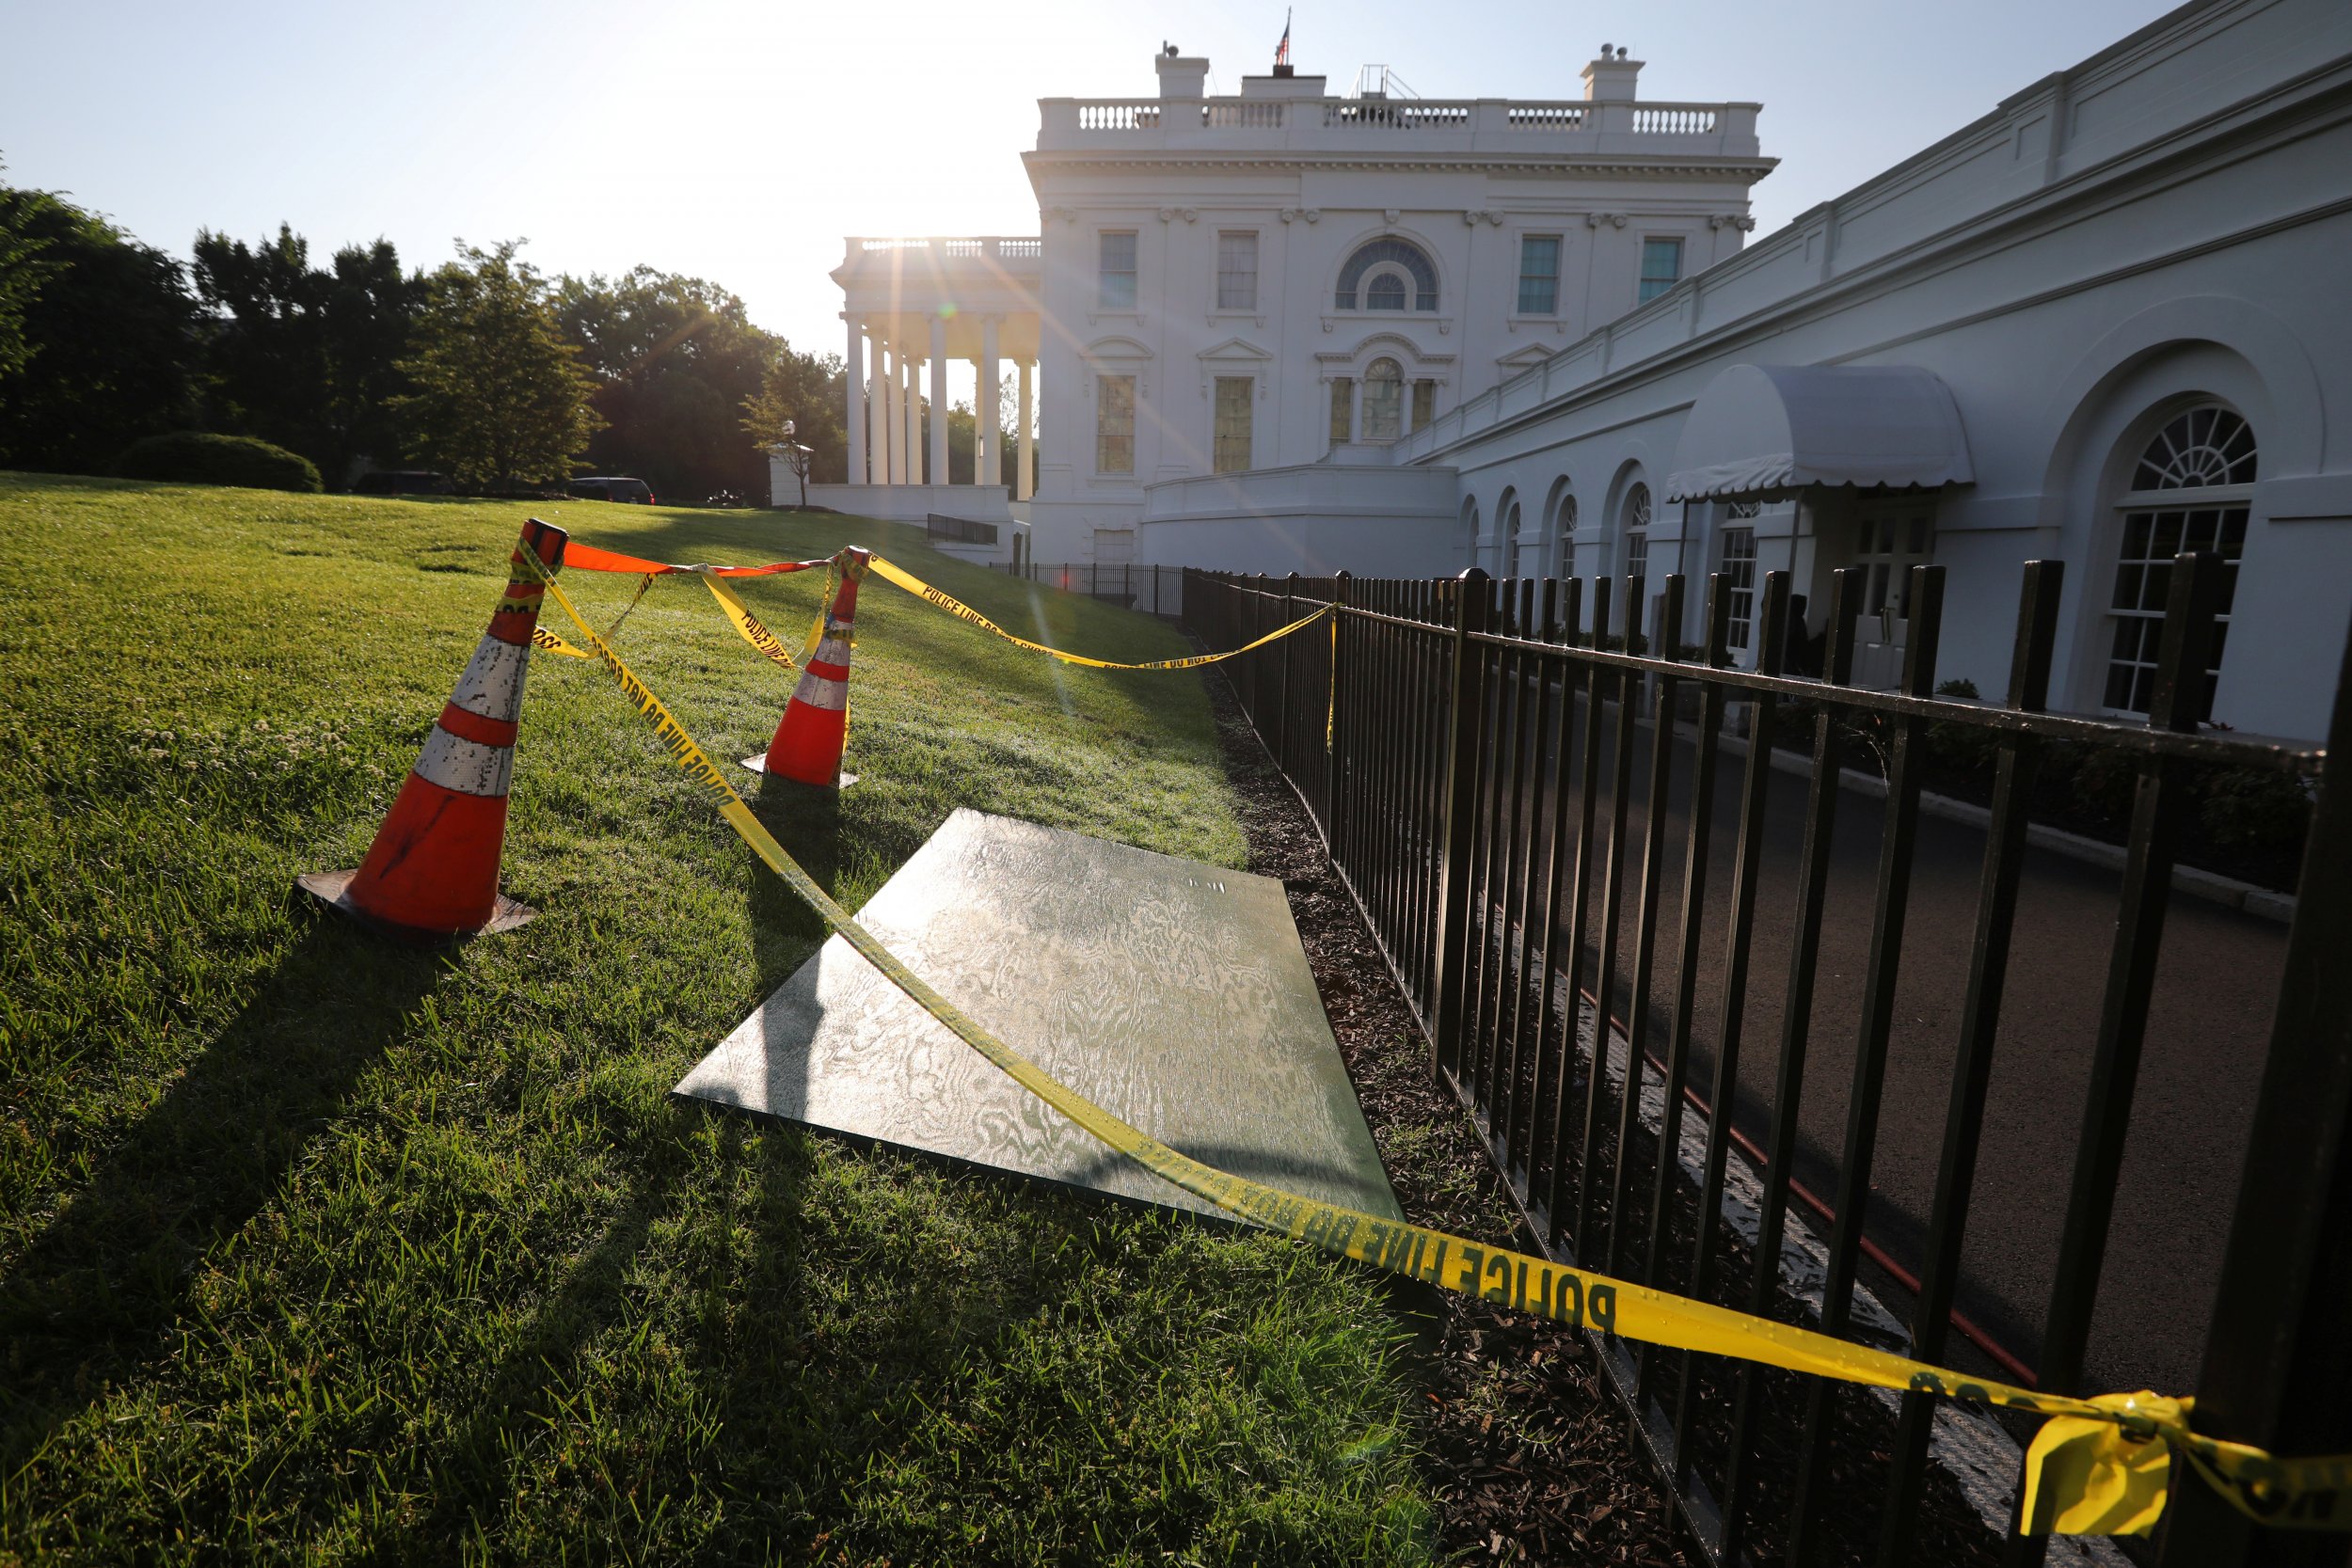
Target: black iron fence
[[1494, 775], [1154, 590], [957, 530]]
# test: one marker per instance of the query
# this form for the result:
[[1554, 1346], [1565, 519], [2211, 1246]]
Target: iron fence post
[[1459, 816], [1257, 661], [1333, 767], [2278, 1370], [1282, 684]]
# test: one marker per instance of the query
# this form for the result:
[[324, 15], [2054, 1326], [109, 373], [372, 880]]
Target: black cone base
[[333, 888], [759, 765]]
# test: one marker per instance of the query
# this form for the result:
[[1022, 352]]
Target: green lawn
[[313, 1247]]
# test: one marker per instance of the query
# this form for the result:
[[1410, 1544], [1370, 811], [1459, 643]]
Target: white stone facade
[[2159, 233], [2141, 257], [1195, 260]]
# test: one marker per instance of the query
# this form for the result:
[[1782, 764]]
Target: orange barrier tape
[[587, 558]]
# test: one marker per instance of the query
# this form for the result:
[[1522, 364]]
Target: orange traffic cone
[[433, 870], [815, 725]]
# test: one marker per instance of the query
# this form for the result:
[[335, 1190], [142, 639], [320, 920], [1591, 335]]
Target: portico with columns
[[911, 308]]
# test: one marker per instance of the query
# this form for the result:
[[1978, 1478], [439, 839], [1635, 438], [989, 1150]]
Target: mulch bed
[[1529, 1455]]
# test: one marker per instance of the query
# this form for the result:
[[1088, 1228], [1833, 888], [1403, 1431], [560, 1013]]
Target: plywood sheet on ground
[[1176, 995]]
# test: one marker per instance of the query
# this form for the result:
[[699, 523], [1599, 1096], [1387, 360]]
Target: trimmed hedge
[[200, 457]]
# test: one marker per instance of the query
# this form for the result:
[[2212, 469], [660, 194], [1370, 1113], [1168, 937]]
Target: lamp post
[[796, 457]]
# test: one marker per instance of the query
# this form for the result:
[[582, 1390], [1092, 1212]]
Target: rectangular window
[[1343, 409], [1662, 267], [1425, 403], [2143, 580], [1238, 271], [1891, 544], [1539, 275], [1230, 450], [1117, 287], [1739, 582], [1637, 553], [1115, 424]]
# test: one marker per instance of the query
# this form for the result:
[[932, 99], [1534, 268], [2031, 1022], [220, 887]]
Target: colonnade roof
[[897, 286]]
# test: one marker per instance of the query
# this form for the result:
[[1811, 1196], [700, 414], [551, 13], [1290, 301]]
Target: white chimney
[[1182, 75], [1610, 79]]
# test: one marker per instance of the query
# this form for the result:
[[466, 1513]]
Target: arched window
[[1469, 530], [1399, 262], [1560, 525], [2189, 490], [1384, 400], [1636, 527], [1514, 563]]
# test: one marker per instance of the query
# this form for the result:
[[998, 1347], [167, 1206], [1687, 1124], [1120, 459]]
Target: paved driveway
[[2208, 1030]]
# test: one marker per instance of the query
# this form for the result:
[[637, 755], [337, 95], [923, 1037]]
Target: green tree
[[501, 401], [305, 357], [807, 390], [674, 357], [108, 349], [21, 273], [964, 440]]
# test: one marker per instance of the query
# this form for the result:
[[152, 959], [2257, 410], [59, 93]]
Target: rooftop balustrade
[[1011, 253], [1435, 125]]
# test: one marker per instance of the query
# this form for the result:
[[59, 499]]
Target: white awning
[[1762, 432]]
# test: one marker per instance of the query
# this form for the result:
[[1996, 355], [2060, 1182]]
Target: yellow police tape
[[963, 611], [750, 628], [2099, 1467], [542, 638]]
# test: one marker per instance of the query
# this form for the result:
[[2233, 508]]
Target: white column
[[1025, 476], [939, 400], [853, 377], [902, 409], [886, 438], [988, 436]]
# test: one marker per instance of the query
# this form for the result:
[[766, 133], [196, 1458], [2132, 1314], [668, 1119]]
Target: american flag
[[1283, 50]]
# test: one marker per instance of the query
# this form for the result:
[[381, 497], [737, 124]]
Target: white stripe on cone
[[468, 766], [492, 685], [817, 692]]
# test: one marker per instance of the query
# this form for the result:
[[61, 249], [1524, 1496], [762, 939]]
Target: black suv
[[605, 488]]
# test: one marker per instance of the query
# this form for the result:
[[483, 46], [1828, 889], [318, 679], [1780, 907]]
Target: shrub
[[1963, 747], [2106, 781], [2255, 809], [200, 457]]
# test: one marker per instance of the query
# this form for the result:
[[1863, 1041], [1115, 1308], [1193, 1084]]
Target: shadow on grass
[[98, 1291], [477, 1473], [806, 820]]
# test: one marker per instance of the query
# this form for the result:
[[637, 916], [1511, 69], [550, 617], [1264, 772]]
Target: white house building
[[1273, 279], [2109, 321]]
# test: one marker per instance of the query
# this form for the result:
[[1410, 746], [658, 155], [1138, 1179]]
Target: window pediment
[[1235, 351], [1116, 350]]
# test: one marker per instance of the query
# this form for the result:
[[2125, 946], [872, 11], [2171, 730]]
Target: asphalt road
[[2207, 1036]]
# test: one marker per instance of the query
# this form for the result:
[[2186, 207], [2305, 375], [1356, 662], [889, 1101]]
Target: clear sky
[[739, 140]]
